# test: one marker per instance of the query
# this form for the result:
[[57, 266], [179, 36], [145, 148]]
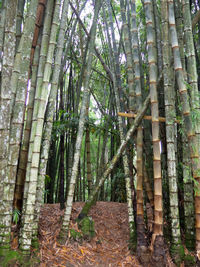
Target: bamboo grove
[[99, 101]]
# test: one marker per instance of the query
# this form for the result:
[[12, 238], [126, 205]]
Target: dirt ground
[[109, 247]]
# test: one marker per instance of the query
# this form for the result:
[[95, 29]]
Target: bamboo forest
[[99, 133]]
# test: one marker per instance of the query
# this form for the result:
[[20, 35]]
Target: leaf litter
[[109, 247]]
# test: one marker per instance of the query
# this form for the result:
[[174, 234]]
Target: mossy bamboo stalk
[[187, 183], [189, 212], [2, 24], [192, 138], [169, 95], [191, 66], [179, 27], [5, 118], [129, 58], [62, 145], [20, 12], [87, 140], [157, 23]]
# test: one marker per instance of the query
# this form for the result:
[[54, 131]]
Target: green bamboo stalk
[[89, 174], [26, 134], [157, 23], [29, 133], [180, 27], [2, 25], [129, 59], [192, 138], [28, 212], [20, 12], [191, 66], [189, 211], [187, 182]]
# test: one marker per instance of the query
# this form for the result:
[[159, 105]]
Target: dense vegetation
[[99, 101]]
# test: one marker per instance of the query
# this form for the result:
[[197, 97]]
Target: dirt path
[[109, 248]]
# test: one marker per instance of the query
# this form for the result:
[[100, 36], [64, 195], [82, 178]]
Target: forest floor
[[109, 247]]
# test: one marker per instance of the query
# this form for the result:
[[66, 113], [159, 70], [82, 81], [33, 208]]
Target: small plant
[[16, 215]]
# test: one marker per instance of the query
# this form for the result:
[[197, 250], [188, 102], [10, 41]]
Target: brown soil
[[109, 248]]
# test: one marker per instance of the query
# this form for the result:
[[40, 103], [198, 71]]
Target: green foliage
[[70, 121], [35, 243], [65, 122], [47, 179], [9, 258], [190, 241], [119, 182], [75, 235], [189, 260], [16, 216], [195, 117], [133, 238], [178, 253], [47, 182], [86, 225], [189, 177]]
